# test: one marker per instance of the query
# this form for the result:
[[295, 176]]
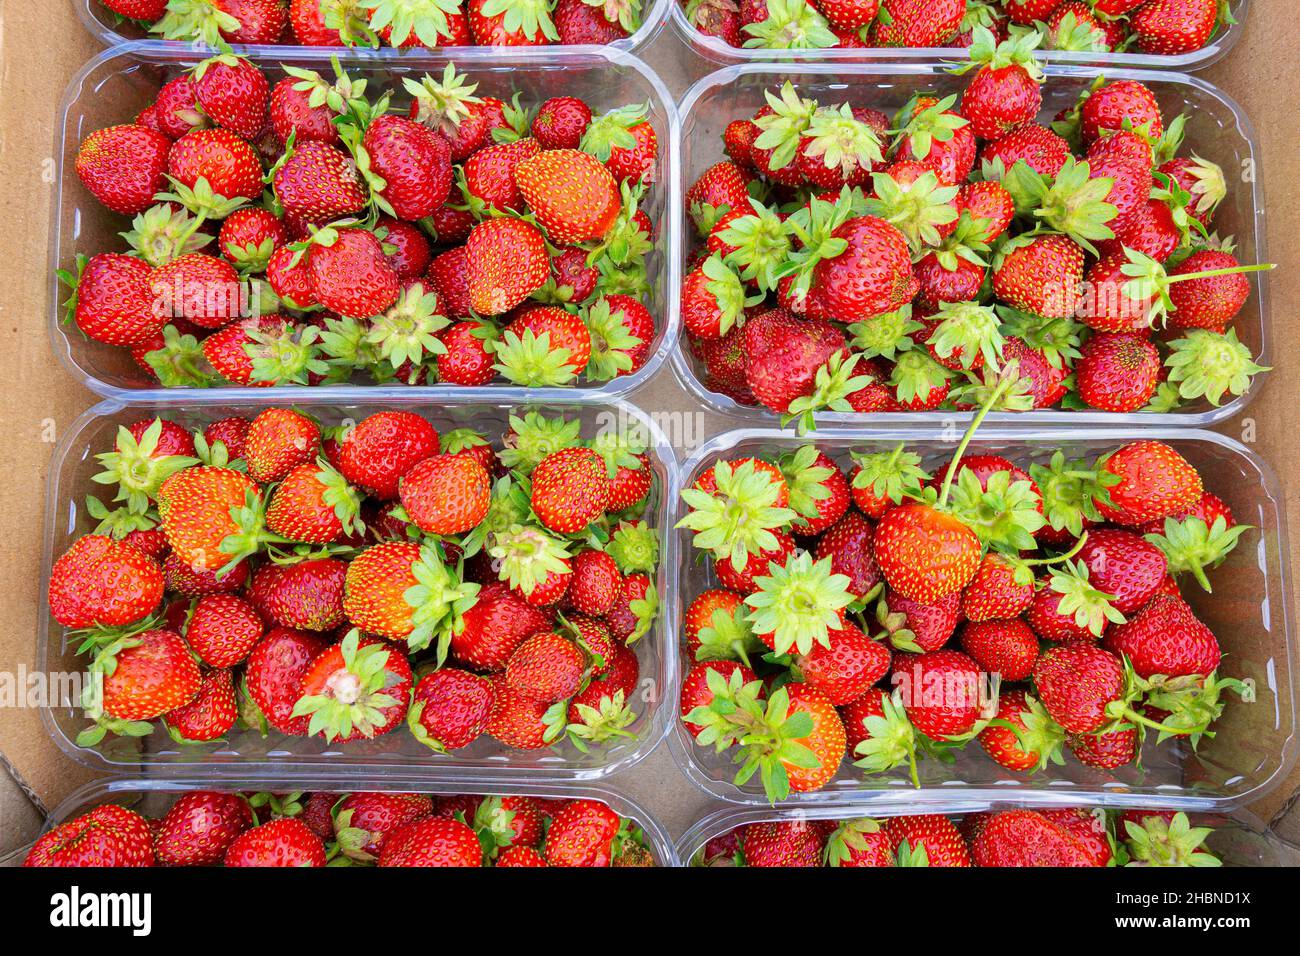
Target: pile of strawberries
[[1159, 27], [1003, 838], [320, 232], [343, 582], [393, 23], [853, 262], [891, 613], [213, 828]]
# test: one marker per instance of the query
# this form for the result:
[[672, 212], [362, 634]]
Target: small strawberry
[[279, 440], [199, 828], [1006, 647], [782, 843], [450, 708], [362, 822], [313, 504], [234, 93], [570, 489], [560, 122], [222, 629], [516, 720], [210, 715], [221, 158], [283, 842], [1117, 372], [306, 595], [316, 183]]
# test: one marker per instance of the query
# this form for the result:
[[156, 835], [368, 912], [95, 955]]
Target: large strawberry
[[405, 592], [315, 182], [286, 841], [358, 688], [349, 272], [212, 516], [199, 828], [112, 301], [1165, 638], [100, 581], [147, 675], [570, 489], [107, 836], [507, 262], [929, 840], [413, 163], [378, 450], [124, 167], [571, 193], [432, 841]]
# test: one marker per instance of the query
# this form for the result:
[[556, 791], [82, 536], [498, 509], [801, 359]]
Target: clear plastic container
[[112, 31], [718, 50], [1217, 129], [1254, 746], [245, 751], [118, 83], [1239, 838], [153, 797]]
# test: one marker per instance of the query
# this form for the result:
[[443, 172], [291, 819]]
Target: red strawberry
[[382, 447], [1078, 683], [413, 161], [516, 720], [292, 112], [228, 163], [495, 626], [317, 183], [570, 489], [1043, 150], [1125, 566], [446, 494], [917, 23], [1155, 481], [578, 22], [200, 288], [1032, 744], [782, 843], [112, 301], [124, 167], [1173, 27], [1209, 301], [222, 629], [106, 836], [784, 355], [848, 544], [1006, 647], [845, 669], [1041, 275], [490, 173], [432, 842], [199, 828], [279, 440], [560, 122], [722, 187], [358, 688], [234, 93], [1106, 751], [929, 840], [925, 554], [1119, 105], [1165, 638], [210, 715], [307, 595], [507, 262], [103, 582], [249, 237], [582, 833], [546, 668], [1118, 372], [274, 676], [1024, 838], [941, 692], [451, 707], [695, 690], [283, 842], [154, 673], [994, 592], [350, 274]]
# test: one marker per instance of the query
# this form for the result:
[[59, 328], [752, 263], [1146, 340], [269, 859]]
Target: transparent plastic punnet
[[1254, 744], [1217, 130], [1239, 838], [718, 50], [153, 797], [118, 83], [245, 751], [112, 30]]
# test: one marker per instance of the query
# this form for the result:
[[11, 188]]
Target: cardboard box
[[42, 46]]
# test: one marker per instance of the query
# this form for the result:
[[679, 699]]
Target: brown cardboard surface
[[42, 46]]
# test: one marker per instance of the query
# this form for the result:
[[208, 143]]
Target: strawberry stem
[[1078, 546], [998, 392], [1212, 273]]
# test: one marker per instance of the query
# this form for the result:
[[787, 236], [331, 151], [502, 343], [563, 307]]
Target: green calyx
[[885, 335], [1191, 704], [813, 229], [357, 695], [1003, 513], [1073, 203], [534, 436], [890, 476], [729, 637], [634, 546], [645, 611], [833, 383], [530, 361], [286, 355], [967, 330], [1089, 607], [180, 362], [1069, 489], [607, 720], [1058, 340], [408, 331], [1073, 34], [424, 19], [200, 201], [848, 838], [727, 290], [1207, 364], [737, 520], [136, 468], [937, 123], [528, 556], [916, 375], [438, 599], [1191, 546], [781, 130], [507, 506], [611, 342], [117, 523], [790, 25], [798, 603], [619, 447], [1017, 50], [1040, 736], [442, 104], [158, 235], [532, 18], [196, 21], [806, 481], [340, 496], [890, 742], [759, 246], [612, 130], [917, 209], [626, 13], [842, 141], [1154, 842]]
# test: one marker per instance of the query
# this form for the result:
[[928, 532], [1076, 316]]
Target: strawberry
[[283, 842], [295, 110], [545, 345], [871, 276], [1032, 740], [784, 356], [200, 288], [210, 715], [222, 629], [1006, 647], [176, 108], [274, 675], [507, 262], [1165, 638], [358, 688], [1027, 838], [349, 272], [1119, 105], [1124, 566], [199, 827], [414, 164], [382, 447], [516, 720], [1027, 12], [515, 856], [513, 23], [306, 595], [571, 193], [103, 582], [848, 545], [695, 690], [1005, 90], [1154, 481], [450, 708], [560, 122], [579, 22], [927, 840], [1043, 150], [106, 836], [446, 494], [595, 583], [215, 23], [570, 489], [1202, 300], [849, 14], [362, 822], [149, 674], [313, 504], [234, 93], [279, 440], [193, 582], [316, 183], [1109, 750], [1040, 274], [926, 627], [429, 842], [957, 709], [1173, 27], [406, 592], [845, 668], [582, 833], [490, 174], [1078, 683], [722, 187], [1118, 372], [996, 591], [925, 554], [227, 162], [112, 301], [546, 667], [630, 485], [249, 237], [782, 843], [917, 23], [124, 167]]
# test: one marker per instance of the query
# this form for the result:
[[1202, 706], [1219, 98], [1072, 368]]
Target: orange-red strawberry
[[695, 687], [406, 592], [222, 629], [446, 494], [928, 840], [1155, 481], [1040, 274], [112, 301], [517, 720], [106, 836], [450, 707], [524, 357], [546, 668], [210, 715], [826, 740], [199, 828], [314, 504], [1034, 741], [925, 554], [274, 676], [506, 260], [630, 485], [350, 274], [1173, 27], [571, 193], [154, 673], [358, 688], [279, 440], [105, 582], [1023, 838], [198, 507], [1007, 647], [994, 591], [286, 841], [124, 167], [570, 489], [499, 622], [432, 842], [382, 447]]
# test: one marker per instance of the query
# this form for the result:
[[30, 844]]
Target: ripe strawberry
[[571, 193], [103, 582], [784, 354], [1040, 274], [516, 720], [848, 544], [927, 840], [379, 580], [1027, 838], [1043, 150], [307, 19], [782, 843], [176, 108], [490, 174], [570, 489], [228, 163], [451, 708], [925, 626], [499, 621], [358, 688], [414, 163], [1173, 27], [278, 441], [200, 288], [1155, 481], [826, 740], [274, 676], [1121, 104], [518, 353], [234, 93], [994, 591], [925, 554], [1125, 566], [1207, 301], [313, 504], [630, 485], [406, 247], [154, 673], [293, 113], [941, 692], [871, 276], [199, 828], [578, 22], [560, 122], [1027, 12], [721, 188], [546, 668], [112, 301], [1005, 90], [384, 446], [1118, 372], [1033, 743], [595, 583], [316, 183], [1106, 751], [283, 842], [1006, 647], [446, 494], [917, 23], [106, 836], [582, 833], [507, 262], [222, 629], [249, 237], [306, 595], [210, 715], [362, 822], [194, 582], [1078, 683], [124, 167], [1049, 623], [430, 842], [515, 856], [515, 25], [845, 669], [350, 274], [1165, 638]]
